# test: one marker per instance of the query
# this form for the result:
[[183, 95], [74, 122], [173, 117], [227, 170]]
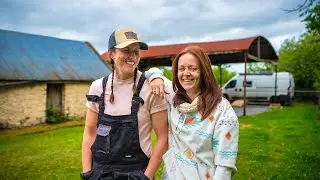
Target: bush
[[54, 116]]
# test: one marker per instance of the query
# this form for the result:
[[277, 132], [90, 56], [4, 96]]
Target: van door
[[250, 89], [230, 89]]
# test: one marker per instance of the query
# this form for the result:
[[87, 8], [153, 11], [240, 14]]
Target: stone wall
[[23, 105], [74, 99], [26, 105]]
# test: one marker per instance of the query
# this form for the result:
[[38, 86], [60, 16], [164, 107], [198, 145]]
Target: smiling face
[[189, 73], [126, 60]]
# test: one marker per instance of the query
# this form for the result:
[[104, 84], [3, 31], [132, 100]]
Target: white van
[[261, 87]]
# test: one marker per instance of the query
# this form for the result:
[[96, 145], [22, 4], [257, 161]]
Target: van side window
[[248, 84], [231, 84]]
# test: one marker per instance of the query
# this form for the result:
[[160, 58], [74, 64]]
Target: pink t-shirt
[[122, 90]]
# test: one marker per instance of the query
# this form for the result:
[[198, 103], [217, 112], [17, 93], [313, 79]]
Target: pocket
[[133, 175], [121, 140], [171, 166], [138, 175], [143, 176], [102, 141], [178, 167]]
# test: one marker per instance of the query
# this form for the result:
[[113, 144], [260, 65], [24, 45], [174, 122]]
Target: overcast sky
[[156, 21]]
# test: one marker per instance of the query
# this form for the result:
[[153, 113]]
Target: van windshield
[[231, 84]]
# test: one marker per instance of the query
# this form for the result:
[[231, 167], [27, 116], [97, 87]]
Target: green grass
[[280, 144]]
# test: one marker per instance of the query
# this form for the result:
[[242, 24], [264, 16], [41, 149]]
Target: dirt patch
[[245, 125]]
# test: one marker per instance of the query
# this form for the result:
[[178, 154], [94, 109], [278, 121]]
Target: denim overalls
[[116, 151]]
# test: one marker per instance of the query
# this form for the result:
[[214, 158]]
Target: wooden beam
[[250, 56]]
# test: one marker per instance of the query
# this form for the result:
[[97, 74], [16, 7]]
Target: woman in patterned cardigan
[[203, 127]]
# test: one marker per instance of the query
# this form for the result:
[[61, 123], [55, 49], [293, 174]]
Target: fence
[[307, 95]]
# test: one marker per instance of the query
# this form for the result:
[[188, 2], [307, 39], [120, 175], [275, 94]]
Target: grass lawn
[[280, 144]]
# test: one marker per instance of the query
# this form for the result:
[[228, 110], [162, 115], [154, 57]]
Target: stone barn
[[39, 72]]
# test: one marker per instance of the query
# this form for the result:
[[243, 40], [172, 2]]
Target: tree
[[226, 75], [312, 19], [310, 11], [167, 73], [301, 57], [260, 67]]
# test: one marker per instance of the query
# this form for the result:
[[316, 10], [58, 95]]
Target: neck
[[123, 76], [193, 94]]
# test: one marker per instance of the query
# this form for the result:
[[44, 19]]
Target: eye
[[137, 52], [194, 69], [181, 68]]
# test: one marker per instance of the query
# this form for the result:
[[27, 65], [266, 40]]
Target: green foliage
[[260, 67], [54, 116], [166, 72], [311, 14], [301, 57], [226, 75]]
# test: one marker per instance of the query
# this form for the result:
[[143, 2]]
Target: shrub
[[54, 116]]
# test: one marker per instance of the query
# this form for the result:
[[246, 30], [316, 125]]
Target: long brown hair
[[210, 94]]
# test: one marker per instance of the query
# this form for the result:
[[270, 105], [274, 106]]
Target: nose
[[133, 55], [186, 72]]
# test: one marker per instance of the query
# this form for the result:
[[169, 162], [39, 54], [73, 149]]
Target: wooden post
[[275, 84], [245, 84], [220, 75]]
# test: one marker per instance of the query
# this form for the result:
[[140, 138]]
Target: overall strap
[[104, 84], [140, 83], [99, 99], [136, 99]]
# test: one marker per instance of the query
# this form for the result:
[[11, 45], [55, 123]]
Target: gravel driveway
[[251, 109]]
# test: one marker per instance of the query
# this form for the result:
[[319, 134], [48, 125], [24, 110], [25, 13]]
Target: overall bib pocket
[[121, 139], [102, 141]]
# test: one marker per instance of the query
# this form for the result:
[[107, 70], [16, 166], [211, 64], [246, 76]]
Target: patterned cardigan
[[199, 149]]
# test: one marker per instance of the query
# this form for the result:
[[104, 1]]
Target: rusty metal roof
[[34, 57], [220, 52]]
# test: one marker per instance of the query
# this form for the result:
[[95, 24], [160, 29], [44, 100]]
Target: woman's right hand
[[86, 175], [158, 87]]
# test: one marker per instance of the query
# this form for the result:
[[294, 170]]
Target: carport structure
[[251, 49]]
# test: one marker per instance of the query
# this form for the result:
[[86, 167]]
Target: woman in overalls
[[203, 127], [120, 116]]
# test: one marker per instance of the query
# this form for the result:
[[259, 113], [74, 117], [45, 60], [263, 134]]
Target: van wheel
[[274, 99], [285, 100]]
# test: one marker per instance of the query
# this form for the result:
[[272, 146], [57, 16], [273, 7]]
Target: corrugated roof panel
[[33, 57]]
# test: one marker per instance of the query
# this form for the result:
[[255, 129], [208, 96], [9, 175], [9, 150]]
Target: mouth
[[187, 80], [131, 63]]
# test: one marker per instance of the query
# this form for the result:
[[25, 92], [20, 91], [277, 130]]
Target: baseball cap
[[123, 37]]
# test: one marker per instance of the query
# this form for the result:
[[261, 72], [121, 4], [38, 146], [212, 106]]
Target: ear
[[110, 53]]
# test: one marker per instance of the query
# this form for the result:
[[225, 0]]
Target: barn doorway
[[54, 97]]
